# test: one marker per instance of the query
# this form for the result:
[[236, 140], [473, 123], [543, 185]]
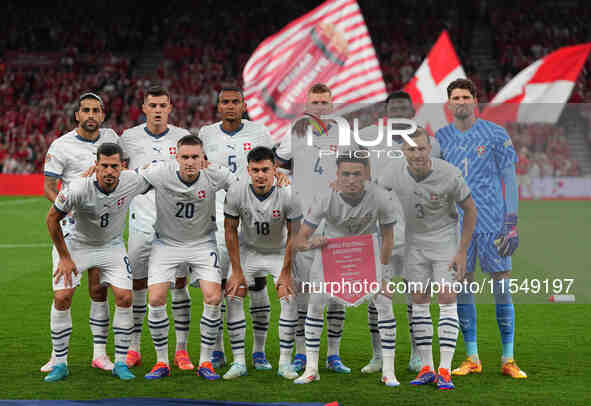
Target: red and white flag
[[428, 87], [539, 92], [330, 45]]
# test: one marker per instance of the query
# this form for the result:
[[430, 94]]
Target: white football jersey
[[230, 151], [100, 217], [70, 155], [262, 218], [142, 148], [430, 204], [185, 213], [346, 219]]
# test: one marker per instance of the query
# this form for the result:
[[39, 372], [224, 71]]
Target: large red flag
[[539, 92], [428, 87], [330, 45]]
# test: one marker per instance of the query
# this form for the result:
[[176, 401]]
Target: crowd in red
[[40, 79]]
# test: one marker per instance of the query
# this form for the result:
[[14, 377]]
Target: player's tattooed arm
[[236, 284], [387, 231], [303, 242], [50, 187], [65, 266]]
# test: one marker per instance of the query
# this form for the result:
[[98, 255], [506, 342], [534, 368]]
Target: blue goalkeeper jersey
[[481, 153]]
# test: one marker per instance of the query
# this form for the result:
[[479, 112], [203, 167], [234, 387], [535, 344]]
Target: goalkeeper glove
[[508, 240]]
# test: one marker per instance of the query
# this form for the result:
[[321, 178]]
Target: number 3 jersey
[[142, 148], [99, 216], [429, 204], [185, 213], [262, 217]]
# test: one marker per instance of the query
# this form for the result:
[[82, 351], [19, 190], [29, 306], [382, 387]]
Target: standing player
[[185, 235], [484, 153], [356, 209], [150, 142], [68, 157], [397, 105], [227, 143], [312, 173], [100, 207], [268, 217], [429, 189]]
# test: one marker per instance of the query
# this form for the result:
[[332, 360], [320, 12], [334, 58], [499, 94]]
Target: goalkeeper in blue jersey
[[483, 151]]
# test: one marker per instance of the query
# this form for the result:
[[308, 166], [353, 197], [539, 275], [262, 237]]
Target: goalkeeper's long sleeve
[[511, 189]]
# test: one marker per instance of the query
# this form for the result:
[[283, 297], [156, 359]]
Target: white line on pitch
[[25, 245], [20, 201]]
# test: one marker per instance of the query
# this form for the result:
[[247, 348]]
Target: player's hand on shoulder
[[282, 179], [89, 172]]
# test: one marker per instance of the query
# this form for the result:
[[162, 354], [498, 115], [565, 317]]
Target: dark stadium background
[[50, 54]]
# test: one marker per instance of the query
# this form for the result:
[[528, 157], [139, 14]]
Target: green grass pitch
[[553, 341]]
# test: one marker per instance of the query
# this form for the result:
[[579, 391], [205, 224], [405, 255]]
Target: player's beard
[[88, 127]]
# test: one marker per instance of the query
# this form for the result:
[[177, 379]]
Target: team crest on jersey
[[172, 151], [434, 197], [121, 201], [201, 195], [247, 146], [481, 149], [276, 213]]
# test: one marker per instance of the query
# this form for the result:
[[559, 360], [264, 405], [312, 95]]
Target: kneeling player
[[267, 215], [355, 209], [428, 189], [185, 235], [100, 206]]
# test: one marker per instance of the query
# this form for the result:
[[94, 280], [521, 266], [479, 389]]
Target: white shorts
[[424, 266], [257, 265], [201, 259], [139, 246], [111, 260]]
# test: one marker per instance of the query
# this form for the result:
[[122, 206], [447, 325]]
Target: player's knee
[[260, 283], [180, 283], [123, 298], [212, 296], [140, 284], [419, 298], [62, 299], [446, 298], [97, 292]]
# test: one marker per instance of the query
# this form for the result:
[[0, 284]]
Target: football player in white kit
[[397, 105], [227, 143], [99, 204], [150, 142], [269, 217], [429, 189], [355, 208], [312, 173], [67, 159], [185, 234]]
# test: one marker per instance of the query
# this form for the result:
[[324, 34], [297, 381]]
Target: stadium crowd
[[40, 77]]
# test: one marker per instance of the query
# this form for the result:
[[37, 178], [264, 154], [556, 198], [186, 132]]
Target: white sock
[[423, 328], [413, 344], [219, 343], [335, 322], [181, 313], [61, 329], [236, 328], [99, 327], [288, 320], [387, 327], [314, 327], [372, 323], [158, 324], [447, 330], [122, 329], [209, 326], [260, 312], [300, 332], [139, 314]]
